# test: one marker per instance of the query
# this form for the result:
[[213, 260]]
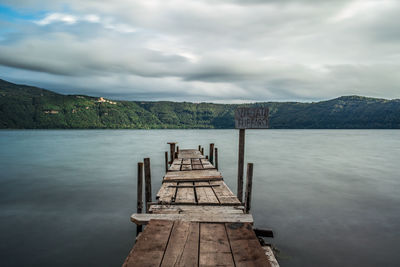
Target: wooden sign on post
[[247, 118], [251, 118]]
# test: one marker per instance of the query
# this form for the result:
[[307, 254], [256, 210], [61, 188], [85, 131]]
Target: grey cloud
[[225, 51]]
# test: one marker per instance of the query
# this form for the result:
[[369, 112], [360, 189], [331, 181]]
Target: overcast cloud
[[215, 51]]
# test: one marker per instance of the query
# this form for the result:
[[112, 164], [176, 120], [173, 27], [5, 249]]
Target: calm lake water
[[332, 197]]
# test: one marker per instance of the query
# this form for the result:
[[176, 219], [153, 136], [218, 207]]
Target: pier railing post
[[166, 161], [147, 180], [249, 185], [211, 153], [216, 158], [139, 208], [172, 150], [240, 165]]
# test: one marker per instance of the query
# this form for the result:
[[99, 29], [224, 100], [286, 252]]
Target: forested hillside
[[26, 107]]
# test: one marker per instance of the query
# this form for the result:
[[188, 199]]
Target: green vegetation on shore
[[26, 107]]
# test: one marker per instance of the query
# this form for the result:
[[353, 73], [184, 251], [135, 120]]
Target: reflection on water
[[331, 196]]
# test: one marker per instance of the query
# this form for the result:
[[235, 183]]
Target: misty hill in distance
[[27, 107]]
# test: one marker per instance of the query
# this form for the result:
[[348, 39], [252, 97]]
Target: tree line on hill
[[27, 107]]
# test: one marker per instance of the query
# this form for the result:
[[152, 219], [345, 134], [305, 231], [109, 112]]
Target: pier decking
[[196, 221]]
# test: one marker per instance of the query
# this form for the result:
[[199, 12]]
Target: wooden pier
[[196, 220]]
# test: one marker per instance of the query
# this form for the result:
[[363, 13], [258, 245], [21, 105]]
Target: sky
[[227, 51]]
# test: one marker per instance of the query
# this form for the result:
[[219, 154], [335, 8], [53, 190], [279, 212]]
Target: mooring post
[[240, 165], [202, 151], [176, 155], [139, 208], [216, 158], [172, 150], [200, 148], [211, 153], [147, 180], [249, 185], [166, 161], [177, 149]]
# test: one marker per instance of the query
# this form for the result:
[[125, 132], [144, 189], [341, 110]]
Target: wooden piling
[[199, 147], [240, 165], [216, 158], [202, 151], [249, 185], [211, 153], [176, 155], [172, 150], [147, 180], [166, 161], [139, 193], [177, 149]]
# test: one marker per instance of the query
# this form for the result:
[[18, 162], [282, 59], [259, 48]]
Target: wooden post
[[147, 180], [216, 158], [139, 208], [211, 153], [177, 149], [249, 185], [202, 150], [166, 161], [240, 165], [176, 155], [206, 156], [172, 151]]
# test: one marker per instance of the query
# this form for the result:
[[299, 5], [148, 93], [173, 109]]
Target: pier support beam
[[147, 180], [166, 161], [240, 165], [211, 153], [139, 208], [172, 151], [249, 187], [216, 158]]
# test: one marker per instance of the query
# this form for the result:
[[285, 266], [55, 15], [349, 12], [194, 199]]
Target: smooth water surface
[[332, 197]]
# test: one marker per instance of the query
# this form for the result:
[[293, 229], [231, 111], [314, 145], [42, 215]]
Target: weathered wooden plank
[[271, 257], [175, 167], [206, 184], [202, 179], [166, 194], [177, 161], [214, 246], [186, 161], [185, 195], [143, 218], [197, 167], [207, 164], [196, 162], [183, 245], [194, 174], [181, 209], [205, 194], [190, 153], [150, 246], [246, 248], [186, 168], [224, 194]]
